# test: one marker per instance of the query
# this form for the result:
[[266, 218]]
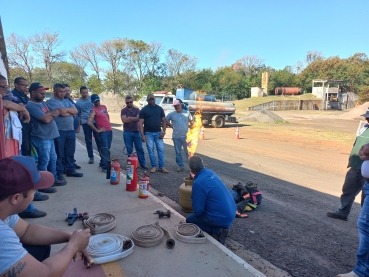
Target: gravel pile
[[261, 116], [114, 102], [356, 112]]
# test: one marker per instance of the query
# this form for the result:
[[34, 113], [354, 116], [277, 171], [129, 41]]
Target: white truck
[[212, 112]]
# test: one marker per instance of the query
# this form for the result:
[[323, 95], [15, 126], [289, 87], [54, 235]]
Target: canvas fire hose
[[151, 235], [100, 223], [105, 248], [189, 233]]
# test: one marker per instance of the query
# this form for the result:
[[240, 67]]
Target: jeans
[[106, 138], [235, 196], [204, 223], [88, 140], [178, 144], [46, 155], [65, 146], [39, 252], [131, 138], [26, 139], [352, 186], [151, 138], [362, 256]]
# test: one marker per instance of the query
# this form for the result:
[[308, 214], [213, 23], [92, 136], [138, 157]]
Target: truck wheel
[[218, 121]]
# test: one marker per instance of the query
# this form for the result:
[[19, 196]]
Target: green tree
[[150, 84], [68, 73], [94, 84], [119, 82]]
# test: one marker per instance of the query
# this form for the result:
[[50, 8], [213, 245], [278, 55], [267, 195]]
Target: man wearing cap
[[354, 181], [65, 144], [25, 247], [213, 206], [178, 120], [151, 120], [99, 114], [84, 106], [131, 135]]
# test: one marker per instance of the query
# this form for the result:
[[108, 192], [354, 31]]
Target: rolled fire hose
[[190, 233], [105, 248], [100, 223], [151, 235]]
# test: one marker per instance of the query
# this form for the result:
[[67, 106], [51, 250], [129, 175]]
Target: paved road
[[300, 180]]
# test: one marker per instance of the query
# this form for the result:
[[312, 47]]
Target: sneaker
[[336, 216], [34, 214], [40, 197], [179, 169], [163, 170], [350, 274], [91, 161], [153, 170], [144, 167], [77, 166], [48, 190], [222, 236], [59, 182], [74, 174]]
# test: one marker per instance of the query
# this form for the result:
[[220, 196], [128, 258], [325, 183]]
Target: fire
[[193, 134]]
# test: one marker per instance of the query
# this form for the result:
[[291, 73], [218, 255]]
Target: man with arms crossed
[[25, 247]]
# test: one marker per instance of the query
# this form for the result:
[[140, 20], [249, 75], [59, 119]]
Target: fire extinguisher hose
[[189, 233], [147, 236], [100, 223], [105, 248]]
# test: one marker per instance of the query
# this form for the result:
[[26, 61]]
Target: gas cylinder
[[115, 173], [185, 193], [143, 186], [132, 164]]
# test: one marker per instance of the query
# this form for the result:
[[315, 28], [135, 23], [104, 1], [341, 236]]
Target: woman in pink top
[[99, 113]]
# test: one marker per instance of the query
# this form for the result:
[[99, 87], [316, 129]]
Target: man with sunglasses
[[131, 134]]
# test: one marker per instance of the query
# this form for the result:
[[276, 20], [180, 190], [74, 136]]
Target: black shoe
[[48, 190], [40, 197], [74, 174], [59, 182], [77, 166], [221, 237], [336, 216], [91, 161], [61, 178], [34, 214], [144, 167]]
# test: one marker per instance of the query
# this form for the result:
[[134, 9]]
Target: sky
[[216, 32]]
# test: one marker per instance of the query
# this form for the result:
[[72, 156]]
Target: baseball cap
[[36, 86], [366, 115], [176, 103], [94, 98], [19, 174], [149, 96]]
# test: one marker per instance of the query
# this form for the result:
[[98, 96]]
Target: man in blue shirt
[[213, 206]]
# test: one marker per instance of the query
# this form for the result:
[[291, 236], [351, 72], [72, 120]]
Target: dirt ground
[[300, 168]]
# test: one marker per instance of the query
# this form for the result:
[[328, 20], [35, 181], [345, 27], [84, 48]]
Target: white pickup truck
[[212, 112]]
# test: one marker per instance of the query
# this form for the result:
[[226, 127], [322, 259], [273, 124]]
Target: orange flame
[[193, 134]]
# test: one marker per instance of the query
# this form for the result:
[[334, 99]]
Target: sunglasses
[[129, 103]]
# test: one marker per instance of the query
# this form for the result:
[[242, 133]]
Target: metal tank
[[287, 91], [223, 108]]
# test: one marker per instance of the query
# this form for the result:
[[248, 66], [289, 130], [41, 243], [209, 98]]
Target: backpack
[[255, 196]]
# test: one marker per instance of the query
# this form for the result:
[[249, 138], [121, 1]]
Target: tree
[[80, 64], [46, 47], [68, 73], [313, 56], [249, 65], [150, 84], [94, 84], [20, 54], [89, 53], [178, 62], [114, 52], [282, 78], [119, 82], [137, 59]]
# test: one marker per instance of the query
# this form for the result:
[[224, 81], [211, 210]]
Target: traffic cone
[[237, 136], [202, 137]]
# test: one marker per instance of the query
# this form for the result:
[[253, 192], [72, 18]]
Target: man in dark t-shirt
[[131, 134], [151, 120]]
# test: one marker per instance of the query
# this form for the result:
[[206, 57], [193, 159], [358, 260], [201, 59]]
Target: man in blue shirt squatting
[[213, 206]]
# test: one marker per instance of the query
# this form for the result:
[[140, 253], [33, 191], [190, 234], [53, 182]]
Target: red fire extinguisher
[[143, 186], [115, 172], [132, 164]]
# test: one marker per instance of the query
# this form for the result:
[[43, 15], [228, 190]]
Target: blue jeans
[[46, 155], [88, 140], [204, 223], [362, 256], [151, 138], [106, 138], [65, 146], [235, 195], [178, 144], [131, 138]]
